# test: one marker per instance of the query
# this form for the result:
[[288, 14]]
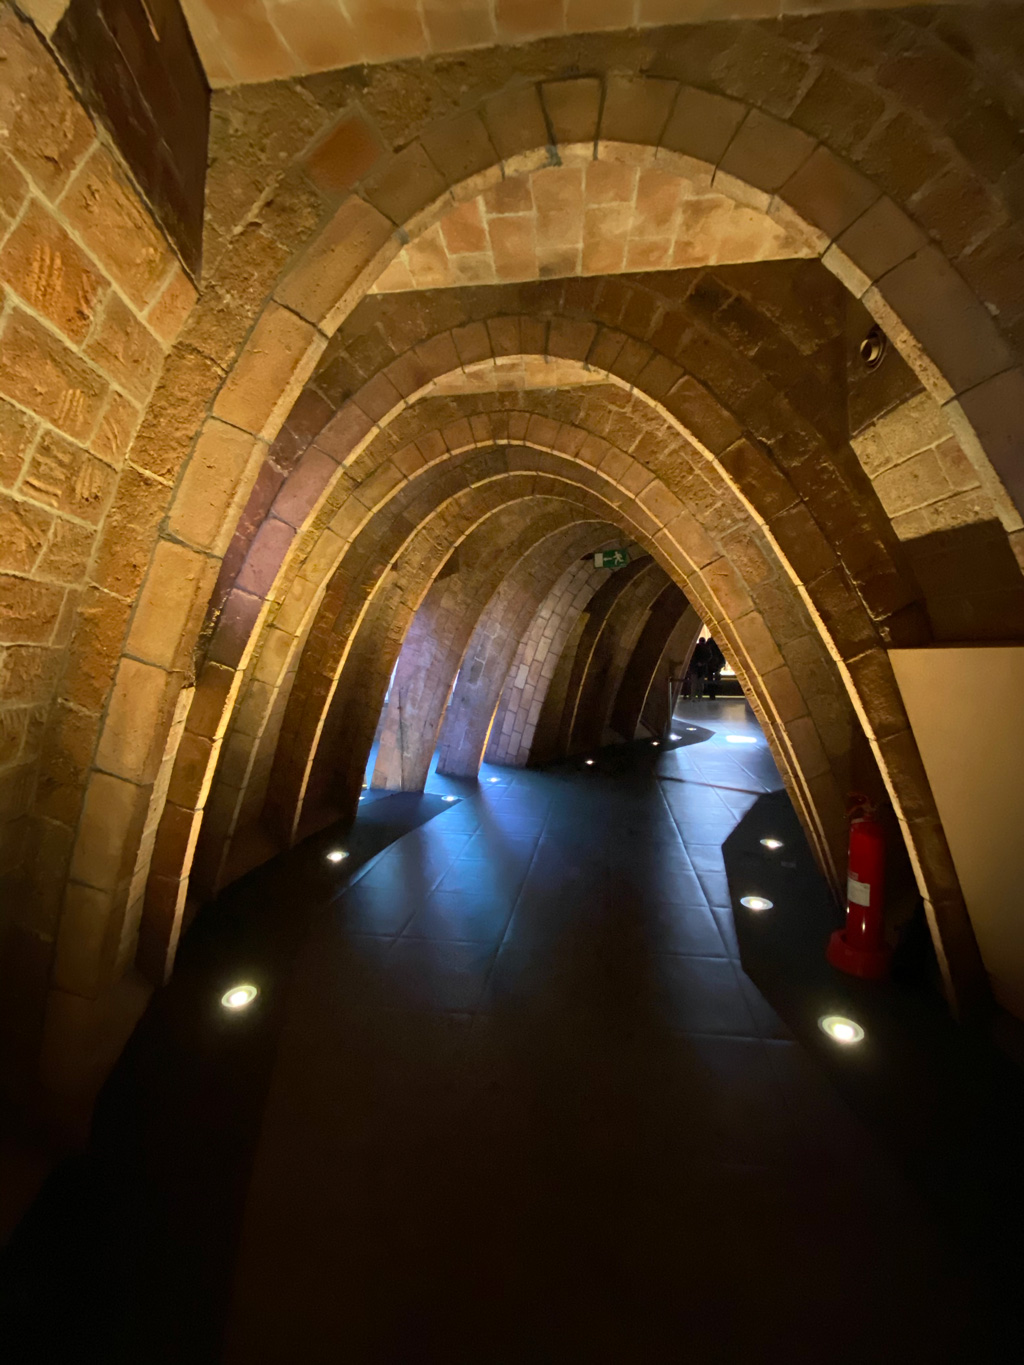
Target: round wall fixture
[[756, 902], [873, 348], [239, 996], [841, 1030]]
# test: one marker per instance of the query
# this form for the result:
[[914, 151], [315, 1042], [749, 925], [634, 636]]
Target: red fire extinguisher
[[860, 949]]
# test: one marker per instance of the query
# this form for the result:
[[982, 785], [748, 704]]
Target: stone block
[[116, 428], [214, 486], [986, 420], [404, 185], [135, 729], [23, 534], [216, 690], [878, 240], [702, 416], [573, 109], [67, 553], [765, 152], [43, 265], [345, 155], [460, 148], [39, 372], [518, 128], [29, 611], [827, 193], [39, 114], [339, 264], [125, 350], [636, 109], [940, 327], [113, 817], [270, 372], [103, 209], [86, 940], [194, 766], [69, 479], [17, 432], [176, 578], [236, 624]]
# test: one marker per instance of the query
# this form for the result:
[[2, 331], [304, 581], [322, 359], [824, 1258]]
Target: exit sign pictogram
[[611, 559]]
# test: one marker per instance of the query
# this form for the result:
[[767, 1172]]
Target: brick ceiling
[[597, 219], [262, 40]]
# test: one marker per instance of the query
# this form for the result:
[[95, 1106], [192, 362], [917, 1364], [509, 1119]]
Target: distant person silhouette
[[699, 660]]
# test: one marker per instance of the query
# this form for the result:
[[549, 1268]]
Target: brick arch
[[797, 533], [804, 548], [241, 605], [324, 669], [608, 656], [664, 646], [524, 689], [499, 659], [436, 642], [939, 322]]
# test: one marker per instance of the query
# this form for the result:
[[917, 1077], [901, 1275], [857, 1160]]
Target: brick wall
[[92, 296]]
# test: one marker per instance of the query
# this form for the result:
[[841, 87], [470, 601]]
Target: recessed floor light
[[740, 739], [590, 762], [772, 843], [673, 736], [655, 742], [841, 1030], [756, 902], [492, 779], [239, 996], [337, 855], [450, 798], [692, 729]]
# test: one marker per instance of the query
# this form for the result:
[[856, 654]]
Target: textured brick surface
[[595, 278]]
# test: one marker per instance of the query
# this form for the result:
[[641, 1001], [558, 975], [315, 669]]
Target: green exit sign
[[611, 559]]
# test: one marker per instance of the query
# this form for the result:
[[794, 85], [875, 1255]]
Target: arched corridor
[[510, 1084], [391, 397]]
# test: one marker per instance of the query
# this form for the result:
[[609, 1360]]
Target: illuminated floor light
[[756, 902], [590, 762], [337, 855], [740, 739], [450, 798], [692, 729], [841, 1030], [239, 996], [772, 843], [673, 736], [492, 779], [655, 742]]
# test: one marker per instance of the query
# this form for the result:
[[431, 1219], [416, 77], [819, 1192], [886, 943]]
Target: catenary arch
[[315, 696], [457, 432], [660, 659], [778, 677], [511, 655], [299, 593], [801, 529], [497, 588], [517, 692], [912, 286], [806, 544]]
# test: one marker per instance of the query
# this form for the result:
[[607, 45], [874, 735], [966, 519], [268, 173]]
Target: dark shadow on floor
[[129, 1251]]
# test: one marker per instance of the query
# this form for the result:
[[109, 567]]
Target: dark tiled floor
[[522, 1103]]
